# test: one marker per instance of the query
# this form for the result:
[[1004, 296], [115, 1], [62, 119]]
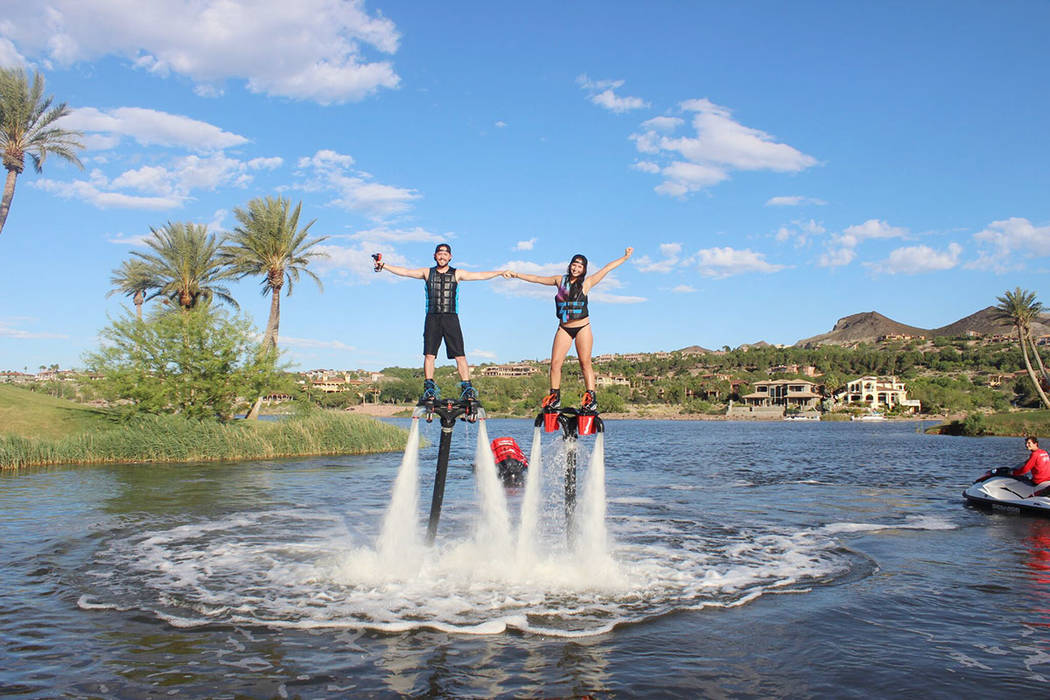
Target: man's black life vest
[[442, 292], [570, 303]]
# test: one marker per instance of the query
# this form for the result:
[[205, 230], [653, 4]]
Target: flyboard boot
[[431, 396], [550, 410], [587, 416], [468, 397]]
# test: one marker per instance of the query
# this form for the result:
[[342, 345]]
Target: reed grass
[[176, 439], [1018, 423]]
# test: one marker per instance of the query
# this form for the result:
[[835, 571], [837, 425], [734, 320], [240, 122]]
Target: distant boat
[[869, 416], [799, 416]]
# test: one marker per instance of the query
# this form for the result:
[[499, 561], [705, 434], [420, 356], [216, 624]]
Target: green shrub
[[199, 363]]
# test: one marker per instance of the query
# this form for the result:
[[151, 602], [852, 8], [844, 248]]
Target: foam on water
[[297, 567], [911, 523]]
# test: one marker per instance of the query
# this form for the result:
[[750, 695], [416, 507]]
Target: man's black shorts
[[443, 326]]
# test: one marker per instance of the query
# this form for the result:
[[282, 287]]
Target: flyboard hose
[[573, 422], [449, 412]]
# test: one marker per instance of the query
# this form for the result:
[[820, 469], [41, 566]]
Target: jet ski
[[998, 488], [510, 461]]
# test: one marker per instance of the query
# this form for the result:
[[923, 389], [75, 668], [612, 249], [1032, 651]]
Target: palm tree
[[1020, 307], [269, 242], [27, 127], [132, 279], [184, 265]]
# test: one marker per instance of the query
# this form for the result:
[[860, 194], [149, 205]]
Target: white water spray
[[593, 539], [399, 538], [530, 502], [494, 528]]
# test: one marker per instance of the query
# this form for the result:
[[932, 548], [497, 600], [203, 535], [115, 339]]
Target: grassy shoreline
[[39, 430], [174, 439]]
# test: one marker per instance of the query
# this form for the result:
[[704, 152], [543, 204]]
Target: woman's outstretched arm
[[538, 279], [600, 274]]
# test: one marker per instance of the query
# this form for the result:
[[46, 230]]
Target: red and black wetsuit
[[1039, 464]]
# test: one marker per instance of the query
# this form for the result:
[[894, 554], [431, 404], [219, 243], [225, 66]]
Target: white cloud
[[851, 236], [842, 246], [166, 182], [186, 174], [800, 232], [90, 192], [353, 190], [9, 56], [7, 330], [1006, 244], [525, 245], [613, 103], [601, 93], [501, 124], [726, 262], [662, 123], [720, 145], [670, 257], [326, 159], [309, 49], [837, 257], [684, 177], [646, 166], [150, 128], [218, 219], [122, 239], [483, 354], [265, 163], [913, 260], [793, 201], [684, 289]]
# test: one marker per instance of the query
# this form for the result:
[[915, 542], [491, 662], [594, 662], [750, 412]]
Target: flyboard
[[573, 423], [448, 411]]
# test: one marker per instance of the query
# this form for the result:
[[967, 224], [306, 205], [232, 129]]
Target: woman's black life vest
[[570, 303], [442, 292]]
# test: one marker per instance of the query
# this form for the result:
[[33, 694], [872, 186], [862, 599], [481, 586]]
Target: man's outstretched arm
[[417, 273], [467, 276]]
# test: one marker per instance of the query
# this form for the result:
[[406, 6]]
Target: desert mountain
[[868, 327], [694, 350]]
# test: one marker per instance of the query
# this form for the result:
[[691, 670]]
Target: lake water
[[740, 560]]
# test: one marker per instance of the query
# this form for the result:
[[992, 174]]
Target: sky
[[776, 166]]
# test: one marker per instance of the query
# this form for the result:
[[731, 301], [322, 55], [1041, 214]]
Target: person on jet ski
[[1038, 464]]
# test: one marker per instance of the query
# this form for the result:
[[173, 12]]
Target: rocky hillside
[[868, 327]]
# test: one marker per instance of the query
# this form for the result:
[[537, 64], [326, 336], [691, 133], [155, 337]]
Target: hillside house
[[609, 380], [518, 369], [885, 392], [790, 393]]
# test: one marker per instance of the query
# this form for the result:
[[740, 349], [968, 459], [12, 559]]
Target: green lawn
[[31, 414], [38, 430]]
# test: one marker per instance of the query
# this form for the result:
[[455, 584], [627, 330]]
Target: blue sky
[[775, 165]]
